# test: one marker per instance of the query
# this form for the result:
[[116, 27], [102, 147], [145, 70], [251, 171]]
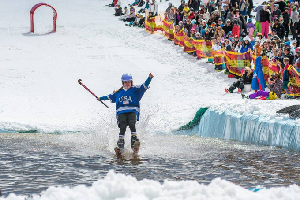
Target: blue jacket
[[128, 100], [258, 81], [245, 48]]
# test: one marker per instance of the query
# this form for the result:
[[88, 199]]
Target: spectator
[[257, 19], [297, 59], [285, 74], [181, 7], [195, 5], [191, 14], [278, 28], [118, 10], [131, 17], [245, 79], [250, 7], [251, 28], [171, 15], [225, 12], [281, 4], [264, 21], [178, 17], [230, 15], [286, 21], [186, 8], [236, 29], [243, 8], [206, 14], [227, 27], [153, 8], [169, 8], [246, 45], [295, 20], [276, 12]]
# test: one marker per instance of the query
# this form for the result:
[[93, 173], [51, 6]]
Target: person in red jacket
[[236, 29], [191, 14], [113, 4]]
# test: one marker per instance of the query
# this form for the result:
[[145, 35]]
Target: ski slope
[[40, 71]]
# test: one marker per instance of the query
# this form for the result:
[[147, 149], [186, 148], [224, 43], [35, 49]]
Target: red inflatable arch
[[32, 16]]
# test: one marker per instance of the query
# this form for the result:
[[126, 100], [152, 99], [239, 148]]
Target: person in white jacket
[[153, 8], [125, 14], [206, 14]]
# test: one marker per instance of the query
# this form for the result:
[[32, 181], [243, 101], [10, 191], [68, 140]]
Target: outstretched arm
[[111, 97], [147, 82], [102, 98]]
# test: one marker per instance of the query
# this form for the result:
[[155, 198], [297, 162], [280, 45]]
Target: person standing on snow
[[127, 100]]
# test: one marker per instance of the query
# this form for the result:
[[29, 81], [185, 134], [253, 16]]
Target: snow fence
[[250, 128]]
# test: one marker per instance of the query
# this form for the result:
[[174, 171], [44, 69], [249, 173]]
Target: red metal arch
[[32, 16]]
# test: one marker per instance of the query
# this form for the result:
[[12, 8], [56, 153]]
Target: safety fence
[[235, 62]]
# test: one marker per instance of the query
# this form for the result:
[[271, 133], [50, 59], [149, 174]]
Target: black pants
[[286, 30], [124, 120], [132, 19], [238, 84], [293, 30]]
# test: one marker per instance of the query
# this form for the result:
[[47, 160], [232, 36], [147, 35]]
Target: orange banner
[[235, 62], [178, 39], [168, 28], [294, 82], [203, 48]]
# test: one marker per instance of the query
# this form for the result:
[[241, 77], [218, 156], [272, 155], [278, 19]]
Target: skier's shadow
[[30, 34]]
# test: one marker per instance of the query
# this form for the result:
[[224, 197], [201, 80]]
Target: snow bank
[[255, 129], [120, 186]]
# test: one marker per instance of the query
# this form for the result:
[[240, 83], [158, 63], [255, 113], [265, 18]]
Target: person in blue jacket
[[247, 45], [127, 100]]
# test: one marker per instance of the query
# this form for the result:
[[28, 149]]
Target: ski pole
[[80, 83]]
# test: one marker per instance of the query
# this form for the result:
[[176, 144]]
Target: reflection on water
[[32, 163]]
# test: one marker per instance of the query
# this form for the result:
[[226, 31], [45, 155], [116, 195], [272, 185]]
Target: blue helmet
[[126, 77]]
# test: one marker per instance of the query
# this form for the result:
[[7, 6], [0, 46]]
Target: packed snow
[[120, 186]]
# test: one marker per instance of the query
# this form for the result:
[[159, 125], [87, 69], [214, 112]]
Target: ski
[[118, 152], [136, 147], [238, 91]]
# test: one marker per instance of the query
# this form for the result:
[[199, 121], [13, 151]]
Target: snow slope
[[39, 71]]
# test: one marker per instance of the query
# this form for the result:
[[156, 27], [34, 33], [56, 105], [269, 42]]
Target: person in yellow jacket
[[186, 8]]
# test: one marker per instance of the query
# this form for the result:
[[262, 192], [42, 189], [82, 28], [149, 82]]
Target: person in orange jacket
[[257, 49]]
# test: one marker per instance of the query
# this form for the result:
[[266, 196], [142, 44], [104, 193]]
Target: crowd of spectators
[[271, 29]]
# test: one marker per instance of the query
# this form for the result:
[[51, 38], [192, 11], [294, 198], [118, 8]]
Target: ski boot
[[120, 148], [245, 96], [135, 144], [228, 90]]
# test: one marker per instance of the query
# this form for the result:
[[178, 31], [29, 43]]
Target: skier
[[246, 78], [127, 100]]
